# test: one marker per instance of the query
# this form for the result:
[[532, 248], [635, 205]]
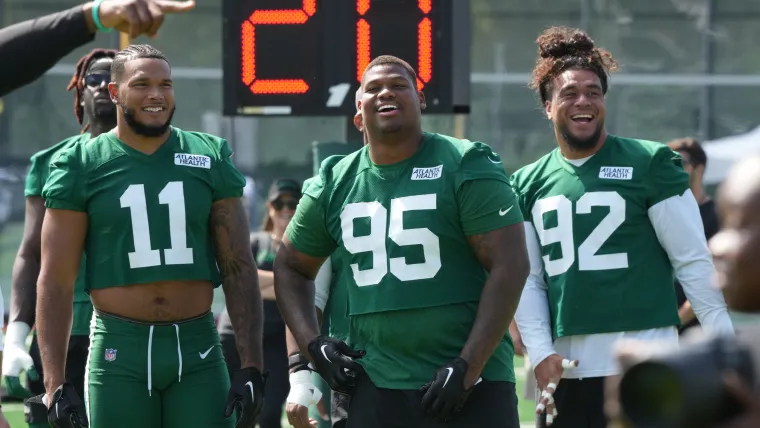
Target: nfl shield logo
[[110, 354]]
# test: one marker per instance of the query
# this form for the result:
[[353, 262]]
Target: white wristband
[[302, 389]]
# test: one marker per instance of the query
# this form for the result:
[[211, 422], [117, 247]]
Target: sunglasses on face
[[278, 204], [95, 80]]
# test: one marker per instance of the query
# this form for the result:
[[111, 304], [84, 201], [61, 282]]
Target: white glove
[[16, 358], [302, 390]]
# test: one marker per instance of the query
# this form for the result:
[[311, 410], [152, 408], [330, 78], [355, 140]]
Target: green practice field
[[15, 411]]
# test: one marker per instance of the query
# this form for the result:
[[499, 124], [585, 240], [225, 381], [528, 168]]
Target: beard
[[139, 128], [105, 113], [576, 143]]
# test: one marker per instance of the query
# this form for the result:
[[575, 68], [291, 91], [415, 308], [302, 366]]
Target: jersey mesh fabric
[[398, 239], [148, 215], [604, 266]]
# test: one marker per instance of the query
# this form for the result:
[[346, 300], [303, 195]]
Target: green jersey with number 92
[[603, 264], [398, 238], [147, 214]]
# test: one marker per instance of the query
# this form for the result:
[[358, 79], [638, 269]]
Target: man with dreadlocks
[[91, 103], [158, 213], [608, 222]]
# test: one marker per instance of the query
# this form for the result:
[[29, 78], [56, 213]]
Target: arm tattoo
[[230, 231]]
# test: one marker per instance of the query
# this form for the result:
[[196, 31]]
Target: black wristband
[[298, 362]]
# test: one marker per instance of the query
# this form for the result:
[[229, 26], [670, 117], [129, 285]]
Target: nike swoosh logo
[[448, 376], [493, 161], [205, 354], [249, 384], [323, 352], [504, 212]]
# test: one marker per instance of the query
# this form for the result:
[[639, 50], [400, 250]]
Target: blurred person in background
[[735, 250], [281, 205], [31, 48], [609, 220], [694, 161], [93, 106]]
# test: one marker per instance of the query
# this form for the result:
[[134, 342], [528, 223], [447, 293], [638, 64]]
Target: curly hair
[[77, 80], [563, 48]]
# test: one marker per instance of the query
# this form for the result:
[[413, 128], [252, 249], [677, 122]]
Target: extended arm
[[532, 316], [294, 274], [679, 229], [502, 253], [26, 267], [49, 38], [63, 235], [230, 231]]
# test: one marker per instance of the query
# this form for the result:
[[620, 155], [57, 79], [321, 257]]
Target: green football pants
[[145, 375]]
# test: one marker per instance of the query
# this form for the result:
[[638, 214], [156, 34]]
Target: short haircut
[[130, 53], [690, 146], [392, 60]]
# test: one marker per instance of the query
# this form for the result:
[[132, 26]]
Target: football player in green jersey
[[609, 221], [425, 235], [157, 212], [93, 106]]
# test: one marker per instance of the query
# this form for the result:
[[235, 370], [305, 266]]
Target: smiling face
[[390, 102], [145, 96], [577, 108]]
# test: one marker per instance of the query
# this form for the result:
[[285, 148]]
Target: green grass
[[14, 412]]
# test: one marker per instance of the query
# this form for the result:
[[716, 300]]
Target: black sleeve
[[30, 48]]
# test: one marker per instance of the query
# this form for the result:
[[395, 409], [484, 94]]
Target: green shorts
[[145, 375]]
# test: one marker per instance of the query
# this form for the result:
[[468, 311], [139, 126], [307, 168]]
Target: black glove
[[66, 409], [334, 361], [247, 396], [445, 394]]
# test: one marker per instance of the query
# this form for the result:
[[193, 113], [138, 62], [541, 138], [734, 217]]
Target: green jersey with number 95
[[398, 238], [603, 264], [147, 215]]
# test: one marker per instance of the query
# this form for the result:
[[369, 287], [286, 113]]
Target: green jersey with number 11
[[398, 238], [148, 215], [604, 266]]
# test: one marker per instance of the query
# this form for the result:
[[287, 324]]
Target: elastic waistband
[[104, 314]]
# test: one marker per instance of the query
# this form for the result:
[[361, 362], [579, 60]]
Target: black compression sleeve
[[30, 48]]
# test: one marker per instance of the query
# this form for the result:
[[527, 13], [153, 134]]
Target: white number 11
[[172, 195]]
